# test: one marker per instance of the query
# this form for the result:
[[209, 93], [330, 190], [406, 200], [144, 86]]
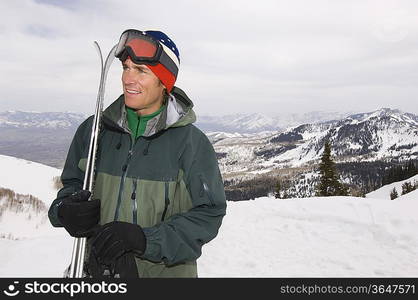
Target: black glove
[[116, 238], [124, 267], [78, 215]]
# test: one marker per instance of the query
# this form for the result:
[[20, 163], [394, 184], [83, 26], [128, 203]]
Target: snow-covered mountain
[[292, 237], [24, 119], [257, 122], [236, 123], [38, 136], [48, 134], [218, 136], [384, 135]]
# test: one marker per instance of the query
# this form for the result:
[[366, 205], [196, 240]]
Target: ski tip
[[99, 50]]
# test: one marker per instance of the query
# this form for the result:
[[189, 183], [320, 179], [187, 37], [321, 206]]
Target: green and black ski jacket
[[167, 181]]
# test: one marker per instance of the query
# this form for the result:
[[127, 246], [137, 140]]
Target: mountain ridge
[[48, 135], [362, 150], [26, 119], [232, 123]]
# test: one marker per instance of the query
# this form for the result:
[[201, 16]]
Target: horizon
[[234, 114]]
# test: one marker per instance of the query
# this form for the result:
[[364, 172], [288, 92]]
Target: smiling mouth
[[133, 92]]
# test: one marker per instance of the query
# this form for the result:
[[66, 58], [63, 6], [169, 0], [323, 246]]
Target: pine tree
[[329, 184], [277, 190], [393, 194], [407, 187]]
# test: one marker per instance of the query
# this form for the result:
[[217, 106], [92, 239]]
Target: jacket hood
[[177, 112]]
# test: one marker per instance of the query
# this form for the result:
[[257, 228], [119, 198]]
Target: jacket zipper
[[205, 189], [122, 180], [134, 204], [166, 200]]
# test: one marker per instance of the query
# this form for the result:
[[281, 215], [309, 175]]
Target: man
[[158, 195]]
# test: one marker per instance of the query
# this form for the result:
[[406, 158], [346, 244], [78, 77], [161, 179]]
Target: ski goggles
[[143, 49]]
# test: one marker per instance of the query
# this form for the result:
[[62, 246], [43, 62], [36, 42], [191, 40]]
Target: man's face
[[142, 89]]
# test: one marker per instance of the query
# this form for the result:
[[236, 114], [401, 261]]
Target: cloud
[[236, 56]]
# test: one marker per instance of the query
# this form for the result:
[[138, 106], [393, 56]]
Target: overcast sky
[[261, 56]]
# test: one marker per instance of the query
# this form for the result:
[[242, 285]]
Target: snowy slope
[[30, 236], [266, 237], [26, 177], [412, 196], [312, 237], [384, 191], [315, 237]]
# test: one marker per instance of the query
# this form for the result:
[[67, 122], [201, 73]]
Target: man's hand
[[78, 215], [123, 267], [114, 239]]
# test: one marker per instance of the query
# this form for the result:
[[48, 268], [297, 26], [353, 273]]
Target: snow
[[27, 177], [266, 237], [315, 237], [43, 256], [354, 146], [11, 224], [261, 171], [412, 196], [36, 239], [223, 135]]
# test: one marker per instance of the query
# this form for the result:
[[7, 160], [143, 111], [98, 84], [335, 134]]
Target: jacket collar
[[178, 112]]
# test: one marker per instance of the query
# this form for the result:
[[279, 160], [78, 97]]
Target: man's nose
[[128, 77]]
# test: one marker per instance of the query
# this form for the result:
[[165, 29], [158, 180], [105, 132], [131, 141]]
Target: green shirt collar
[[137, 124]]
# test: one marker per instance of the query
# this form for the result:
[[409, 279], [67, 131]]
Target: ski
[[76, 268]]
